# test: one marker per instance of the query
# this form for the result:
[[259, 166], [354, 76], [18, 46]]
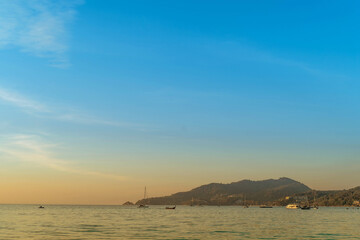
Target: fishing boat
[[41, 207], [306, 206], [171, 207], [292, 206], [245, 205], [265, 206], [315, 206], [192, 202], [143, 205]]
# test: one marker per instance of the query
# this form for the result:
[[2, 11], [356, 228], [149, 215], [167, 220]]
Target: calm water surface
[[115, 222]]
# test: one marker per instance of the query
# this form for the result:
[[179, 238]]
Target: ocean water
[[209, 222]]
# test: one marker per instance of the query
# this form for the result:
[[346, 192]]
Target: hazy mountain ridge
[[254, 192], [279, 192]]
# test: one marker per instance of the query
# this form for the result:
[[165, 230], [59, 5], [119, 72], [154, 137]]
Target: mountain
[[255, 192]]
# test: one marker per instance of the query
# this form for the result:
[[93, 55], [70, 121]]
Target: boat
[[265, 206], [245, 205], [144, 205], [292, 206], [315, 206], [41, 207], [192, 202], [306, 206], [171, 207]]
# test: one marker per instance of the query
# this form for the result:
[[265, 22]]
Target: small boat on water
[[192, 202], [41, 207], [245, 204], [292, 206], [315, 206], [171, 207], [305, 208], [265, 206], [143, 205]]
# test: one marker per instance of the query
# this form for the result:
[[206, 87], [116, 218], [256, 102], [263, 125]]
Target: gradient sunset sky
[[101, 98]]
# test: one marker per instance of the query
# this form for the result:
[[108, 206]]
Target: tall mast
[[145, 193]]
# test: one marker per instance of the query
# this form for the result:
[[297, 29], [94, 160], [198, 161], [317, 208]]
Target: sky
[[101, 98]]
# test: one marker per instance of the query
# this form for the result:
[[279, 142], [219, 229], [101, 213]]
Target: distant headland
[[275, 192]]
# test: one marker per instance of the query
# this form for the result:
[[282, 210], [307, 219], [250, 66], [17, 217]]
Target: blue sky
[[174, 94]]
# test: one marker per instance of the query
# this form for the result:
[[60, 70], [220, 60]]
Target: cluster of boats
[[291, 206], [306, 206], [146, 206], [297, 206]]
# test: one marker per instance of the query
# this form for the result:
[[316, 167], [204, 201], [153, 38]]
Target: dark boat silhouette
[[245, 204], [143, 205], [305, 208], [265, 206], [171, 207], [41, 207], [192, 202]]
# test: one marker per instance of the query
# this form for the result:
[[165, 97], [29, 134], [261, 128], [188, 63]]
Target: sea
[[65, 222]]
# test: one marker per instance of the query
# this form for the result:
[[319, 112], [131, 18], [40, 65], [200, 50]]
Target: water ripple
[[116, 222]]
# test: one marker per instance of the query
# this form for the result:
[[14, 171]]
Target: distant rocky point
[[276, 192], [128, 203], [237, 193]]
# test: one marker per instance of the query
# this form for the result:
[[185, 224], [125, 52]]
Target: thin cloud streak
[[38, 27], [21, 101], [247, 52], [43, 111], [84, 119], [31, 148]]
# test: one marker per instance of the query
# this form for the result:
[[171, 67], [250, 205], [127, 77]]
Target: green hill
[[255, 192]]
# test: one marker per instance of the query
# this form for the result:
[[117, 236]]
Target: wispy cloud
[[41, 110], [33, 148], [38, 27], [244, 51], [21, 101], [91, 120]]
